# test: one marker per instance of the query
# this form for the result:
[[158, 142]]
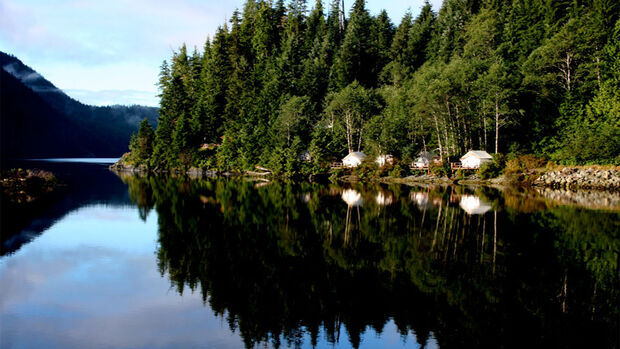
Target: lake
[[118, 261]]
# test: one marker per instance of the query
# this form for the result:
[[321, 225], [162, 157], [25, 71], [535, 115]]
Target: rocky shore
[[592, 178], [24, 195], [121, 166], [20, 187], [593, 199], [193, 172], [580, 178]]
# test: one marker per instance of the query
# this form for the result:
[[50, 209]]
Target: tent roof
[[357, 154], [480, 154]]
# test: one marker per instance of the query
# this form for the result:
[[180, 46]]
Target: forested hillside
[[520, 76], [40, 120]]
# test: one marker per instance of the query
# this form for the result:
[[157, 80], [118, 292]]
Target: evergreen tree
[[518, 76], [357, 57], [382, 36], [141, 144], [419, 37]]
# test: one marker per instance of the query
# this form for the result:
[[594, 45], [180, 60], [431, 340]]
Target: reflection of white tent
[[306, 197], [354, 159], [384, 199], [420, 198], [475, 158], [473, 205], [352, 197]]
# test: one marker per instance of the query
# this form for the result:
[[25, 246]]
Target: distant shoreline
[[588, 177]]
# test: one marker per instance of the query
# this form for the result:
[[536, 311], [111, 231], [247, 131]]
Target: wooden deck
[[455, 166], [426, 168], [336, 165]]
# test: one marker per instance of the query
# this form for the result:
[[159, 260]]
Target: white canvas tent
[[475, 158], [383, 160], [424, 159], [354, 159]]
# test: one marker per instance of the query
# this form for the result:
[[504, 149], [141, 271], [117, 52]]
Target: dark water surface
[[131, 262]]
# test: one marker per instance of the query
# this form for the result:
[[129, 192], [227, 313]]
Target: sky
[[109, 52]]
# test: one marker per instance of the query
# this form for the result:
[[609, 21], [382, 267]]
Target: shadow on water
[[81, 184], [470, 268]]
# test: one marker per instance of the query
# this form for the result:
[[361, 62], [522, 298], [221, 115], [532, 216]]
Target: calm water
[[175, 263]]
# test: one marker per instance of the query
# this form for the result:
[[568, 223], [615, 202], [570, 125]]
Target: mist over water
[[162, 262]]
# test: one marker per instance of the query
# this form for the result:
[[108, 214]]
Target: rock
[[590, 178], [195, 172]]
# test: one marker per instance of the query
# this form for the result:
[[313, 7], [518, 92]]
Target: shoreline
[[567, 178], [25, 194], [524, 197]]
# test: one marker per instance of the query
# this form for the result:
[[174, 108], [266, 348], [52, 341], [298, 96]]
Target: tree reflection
[[289, 259]]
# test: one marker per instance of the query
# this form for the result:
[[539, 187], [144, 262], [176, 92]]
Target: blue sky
[[109, 52]]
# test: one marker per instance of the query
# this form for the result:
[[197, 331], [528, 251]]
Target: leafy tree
[[521, 76], [347, 111], [294, 119]]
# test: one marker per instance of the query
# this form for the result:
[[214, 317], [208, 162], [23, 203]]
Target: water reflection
[[352, 197], [384, 198], [84, 182], [473, 205], [289, 263]]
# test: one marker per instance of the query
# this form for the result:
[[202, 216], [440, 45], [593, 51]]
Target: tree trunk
[[423, 138], [438, 136], [496, 124], [568, 77], [359, 141], [598, 71], [349, 130], [341, 17], [494, 239], [484, 121]]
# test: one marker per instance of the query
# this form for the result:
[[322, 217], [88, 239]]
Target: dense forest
[[38, 120], [512, 77]]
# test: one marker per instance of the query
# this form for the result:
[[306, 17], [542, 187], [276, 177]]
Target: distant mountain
[[39, 120]]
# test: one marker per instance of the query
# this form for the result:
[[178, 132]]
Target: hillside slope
[[39, 120]]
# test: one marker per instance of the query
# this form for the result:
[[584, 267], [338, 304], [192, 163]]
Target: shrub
[[367, 169], [441, 170], [335, 173], [488, 170], [397, 171], [382, 171], [523, 163], [494, 168]]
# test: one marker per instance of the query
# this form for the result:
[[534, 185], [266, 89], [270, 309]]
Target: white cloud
[[111, 97], [93, 45]]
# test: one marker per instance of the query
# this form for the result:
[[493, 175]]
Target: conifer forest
[[280, 79]]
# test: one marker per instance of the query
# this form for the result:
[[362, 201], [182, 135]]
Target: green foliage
[[535, 77], [253, 252], [523, 163], [348, 110], [493, 168], [141, 144], [397, 171], [488, 170], [440, 170], [593, 136], [368, 170]]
